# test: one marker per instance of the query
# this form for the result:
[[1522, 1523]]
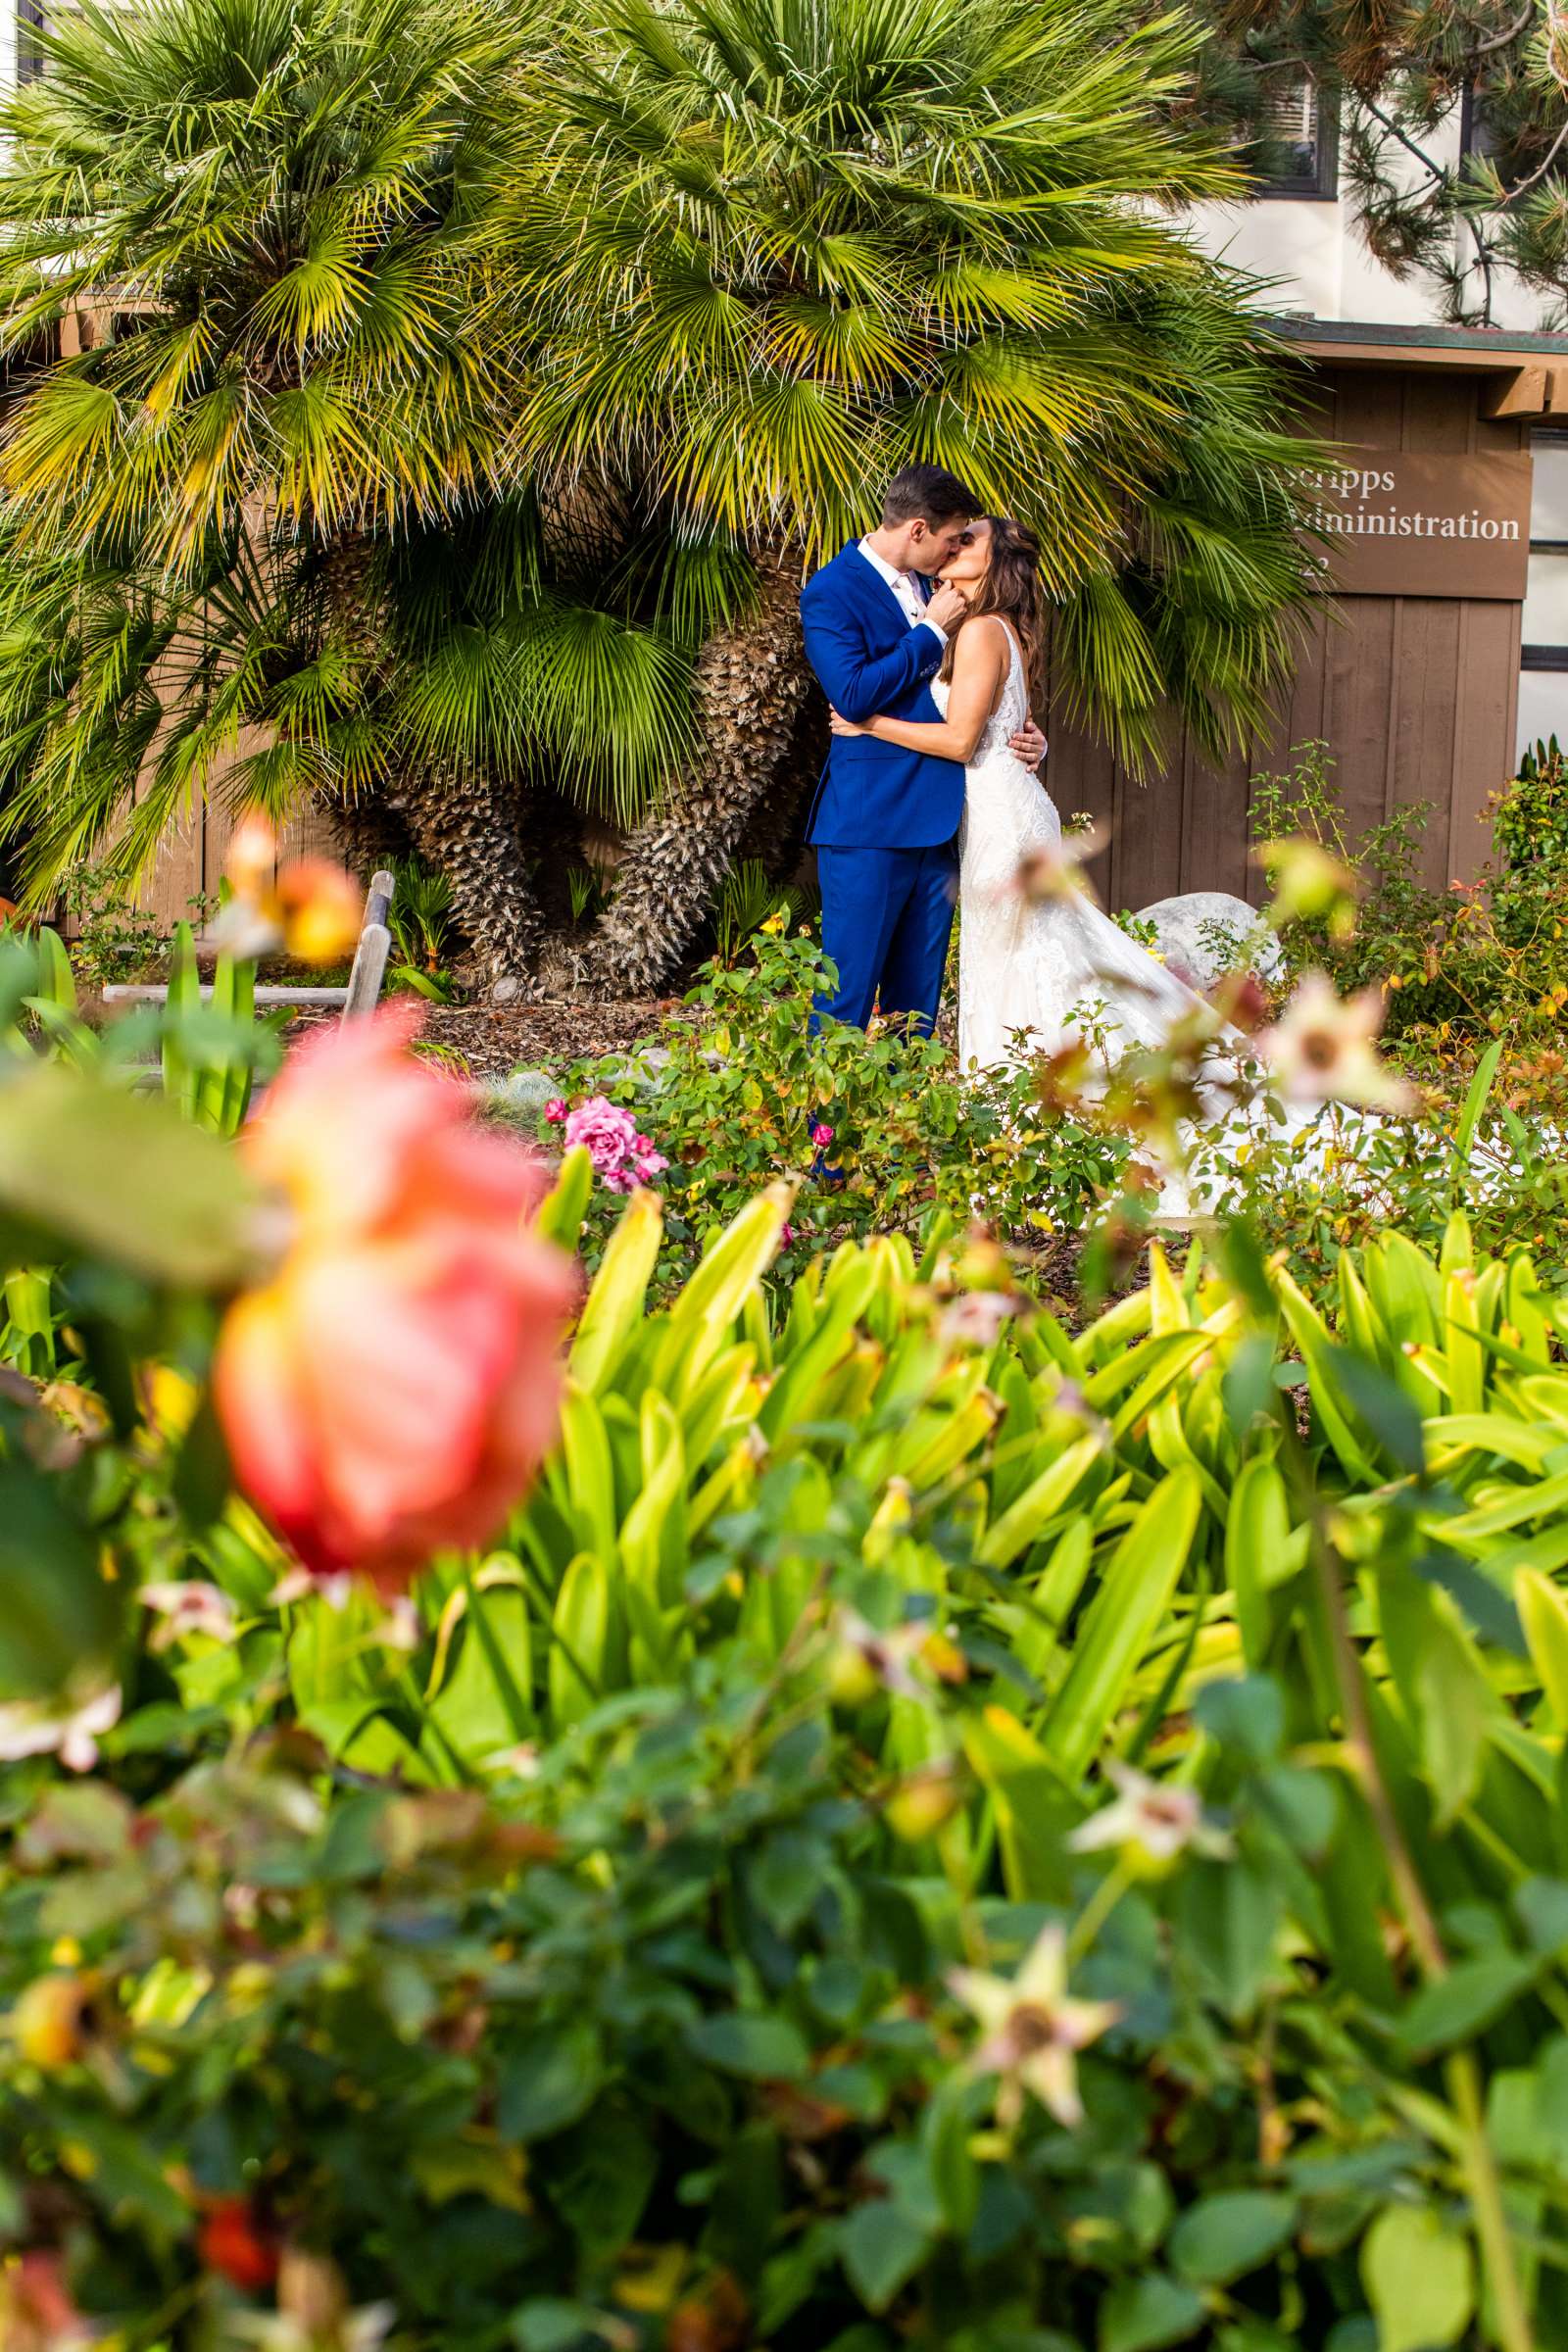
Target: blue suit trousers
[[887, 915]]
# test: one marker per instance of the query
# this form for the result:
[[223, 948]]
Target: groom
[[885, 820]]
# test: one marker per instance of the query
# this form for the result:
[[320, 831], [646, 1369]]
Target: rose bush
[[621, 1156], [393, 1385], [873, 1133]]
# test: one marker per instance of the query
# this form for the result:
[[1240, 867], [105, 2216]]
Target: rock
[[1200, 934], [644, 1068], [505, 989]]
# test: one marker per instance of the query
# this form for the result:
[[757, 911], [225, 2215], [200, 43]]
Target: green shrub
[[745, 1083], [607, 1949], [700, 1920], [1459, 964]]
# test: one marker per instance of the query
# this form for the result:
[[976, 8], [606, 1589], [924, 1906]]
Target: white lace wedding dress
[[1032, 974], [1051, 969]]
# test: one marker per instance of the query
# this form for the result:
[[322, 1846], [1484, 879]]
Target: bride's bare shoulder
[[984, 640]]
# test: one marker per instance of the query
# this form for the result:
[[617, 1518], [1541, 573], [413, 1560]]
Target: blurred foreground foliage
[[699, 1921]]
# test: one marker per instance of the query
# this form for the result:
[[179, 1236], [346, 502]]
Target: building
[[1446, 654]]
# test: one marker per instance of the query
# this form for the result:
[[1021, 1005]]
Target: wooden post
[[378, 899], [371, 955], [370, 970]]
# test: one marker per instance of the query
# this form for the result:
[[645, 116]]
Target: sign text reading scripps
[[1359, 492], [1401, 523]]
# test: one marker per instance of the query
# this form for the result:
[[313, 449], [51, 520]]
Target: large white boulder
[[1202, 934]]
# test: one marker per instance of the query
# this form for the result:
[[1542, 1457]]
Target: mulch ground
[[495, 1039]]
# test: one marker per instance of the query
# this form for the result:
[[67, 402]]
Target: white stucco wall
[[1316, 260]]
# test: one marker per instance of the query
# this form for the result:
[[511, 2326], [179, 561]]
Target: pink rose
[[392, 1388], [556, 1111], [608, 1132], [821, 1136]]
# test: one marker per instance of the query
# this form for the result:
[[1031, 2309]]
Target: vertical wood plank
[[1150, 826], [1439, 411], [1484, 745], [1427, 687], [1214, 841], [1355, 718]]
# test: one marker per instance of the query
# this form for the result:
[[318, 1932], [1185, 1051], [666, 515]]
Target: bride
[[1048, 969]]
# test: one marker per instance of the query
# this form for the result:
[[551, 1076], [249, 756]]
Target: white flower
[[863, 1658], [300, 1585], [400, 1628], [314, 2313], [363, 2330], [1158, 1818], [1321, 1049], [28, 1729], [976, 1317], [188, 1607], [1033, 2031]]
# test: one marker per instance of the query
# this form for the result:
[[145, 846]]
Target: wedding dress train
[[1034, 974], [1050, 969]]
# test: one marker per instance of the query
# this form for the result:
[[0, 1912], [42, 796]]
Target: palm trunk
[[467, 828], [751, 682], [372, 831], [776, 832]]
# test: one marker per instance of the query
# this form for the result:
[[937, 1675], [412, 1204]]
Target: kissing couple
[[924, 635]]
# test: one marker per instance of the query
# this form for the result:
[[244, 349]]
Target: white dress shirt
[[904, 588]]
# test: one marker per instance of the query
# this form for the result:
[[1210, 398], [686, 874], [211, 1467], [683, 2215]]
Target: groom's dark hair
[[928, 494]]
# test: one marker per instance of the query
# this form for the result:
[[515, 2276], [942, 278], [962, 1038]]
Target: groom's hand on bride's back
[[1028, 745]]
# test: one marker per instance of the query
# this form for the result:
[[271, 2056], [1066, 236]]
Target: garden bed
[[495, 1039]]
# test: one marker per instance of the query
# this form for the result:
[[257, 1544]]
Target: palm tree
[[760, 253], [271, 527]]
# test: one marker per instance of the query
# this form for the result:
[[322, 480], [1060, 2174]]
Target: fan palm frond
[[763, 252]]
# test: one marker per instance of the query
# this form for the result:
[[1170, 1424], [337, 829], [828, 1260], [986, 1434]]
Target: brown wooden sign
[[1402, 525]]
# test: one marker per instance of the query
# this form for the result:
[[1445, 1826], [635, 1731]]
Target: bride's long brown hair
[[1010, 588]]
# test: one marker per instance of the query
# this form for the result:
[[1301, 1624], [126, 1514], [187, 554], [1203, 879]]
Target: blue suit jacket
[[869, 661]]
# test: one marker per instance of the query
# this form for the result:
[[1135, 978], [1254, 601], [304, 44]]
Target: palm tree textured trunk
[[468, 826], [752, 683]]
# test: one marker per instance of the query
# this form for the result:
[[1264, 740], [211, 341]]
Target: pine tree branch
[[1509, 33], [1558, 42], [1511, 194], [1435, 172]]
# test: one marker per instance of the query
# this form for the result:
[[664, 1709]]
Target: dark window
[[1545, 613], [1297, 153], [1483, 137], [29, 49]]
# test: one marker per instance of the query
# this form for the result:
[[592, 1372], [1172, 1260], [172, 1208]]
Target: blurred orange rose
[[309, 907], [393, 1388]]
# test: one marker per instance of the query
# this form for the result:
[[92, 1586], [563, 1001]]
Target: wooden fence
[[1414, 696]]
